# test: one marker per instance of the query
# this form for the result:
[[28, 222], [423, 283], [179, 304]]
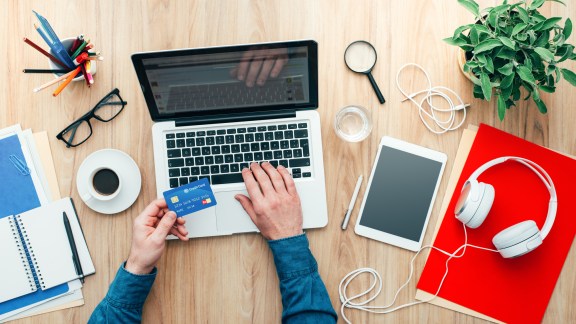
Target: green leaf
[[518, 28], [474, 36], [481, 59], [559, 1], [525, 74], [482, 29], [567, 28], [506, 53], [523, 14], [545, 54], [543, 39], [486, 86], [501, 107], [489, 65], [507, 42], [460, 29], [547, 88], [456, 42], [567, 52], [493, 18], [522, 37], [541, 106], [569, 76], [507, 81], [506, 69], [536, 95], [536, 4], [487, 45], [547, 24], [471, 6]]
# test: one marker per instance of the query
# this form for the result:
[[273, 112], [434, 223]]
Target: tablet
[[400, 193]]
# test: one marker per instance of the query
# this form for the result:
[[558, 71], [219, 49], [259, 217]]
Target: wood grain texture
[[232, 279]]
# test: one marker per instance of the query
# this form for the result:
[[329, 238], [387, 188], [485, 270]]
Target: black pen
[[75, 257]]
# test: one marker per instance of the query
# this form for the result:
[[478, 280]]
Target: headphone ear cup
[[486, 201], [518, 239]]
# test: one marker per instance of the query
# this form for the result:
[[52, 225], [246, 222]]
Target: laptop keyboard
[[228, 94], [220, 154]]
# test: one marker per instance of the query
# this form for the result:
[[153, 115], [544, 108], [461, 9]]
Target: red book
[[510, 290]]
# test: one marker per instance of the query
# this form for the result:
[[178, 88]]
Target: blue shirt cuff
[[293, 257], [129, 290]]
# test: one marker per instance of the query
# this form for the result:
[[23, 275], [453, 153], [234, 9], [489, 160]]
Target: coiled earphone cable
[[444, 125], [348, 302]]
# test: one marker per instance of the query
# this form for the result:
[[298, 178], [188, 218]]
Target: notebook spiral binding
[[36, 273], [22, 251]]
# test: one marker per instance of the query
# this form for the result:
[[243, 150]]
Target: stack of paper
[[29, 181]]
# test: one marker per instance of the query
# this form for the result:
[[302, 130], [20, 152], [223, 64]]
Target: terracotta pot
[[461, 57]]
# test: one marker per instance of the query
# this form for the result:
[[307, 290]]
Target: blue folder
[[17, 195]]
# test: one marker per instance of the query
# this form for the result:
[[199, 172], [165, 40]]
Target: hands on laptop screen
[[257, 76]]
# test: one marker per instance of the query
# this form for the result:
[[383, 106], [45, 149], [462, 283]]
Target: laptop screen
[[229, 79]]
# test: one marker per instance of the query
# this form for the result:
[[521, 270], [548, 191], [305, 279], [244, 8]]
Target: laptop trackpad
[[230, 216]]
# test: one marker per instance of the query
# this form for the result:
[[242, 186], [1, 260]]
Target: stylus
[[352, 202]]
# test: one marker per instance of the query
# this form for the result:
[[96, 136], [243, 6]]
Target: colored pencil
[[56, 80], [93, 53], [83, 70], [76, 43], [48, 55], [45, 71], [79, 49], [63, 85], [95, 58], [87, 67]]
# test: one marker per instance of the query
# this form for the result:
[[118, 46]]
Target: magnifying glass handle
[[376, 89]]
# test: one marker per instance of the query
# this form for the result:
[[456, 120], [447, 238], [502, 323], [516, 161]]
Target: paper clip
[[19, 165]]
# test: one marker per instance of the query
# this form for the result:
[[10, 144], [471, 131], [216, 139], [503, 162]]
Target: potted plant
[[513, 46]]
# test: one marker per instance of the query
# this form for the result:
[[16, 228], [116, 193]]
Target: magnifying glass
[[360, 57]]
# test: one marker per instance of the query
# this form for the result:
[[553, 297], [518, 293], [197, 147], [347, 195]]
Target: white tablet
[[400, 193]]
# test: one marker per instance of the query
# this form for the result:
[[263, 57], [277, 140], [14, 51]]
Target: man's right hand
[[274, 204], [149, 236]]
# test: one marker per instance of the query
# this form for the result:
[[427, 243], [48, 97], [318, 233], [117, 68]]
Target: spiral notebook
[[35, 250]]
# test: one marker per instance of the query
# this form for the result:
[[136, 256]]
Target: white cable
[[437, 91], [348, 302]]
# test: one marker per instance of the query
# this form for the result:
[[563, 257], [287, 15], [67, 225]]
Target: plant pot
[[461, 57]]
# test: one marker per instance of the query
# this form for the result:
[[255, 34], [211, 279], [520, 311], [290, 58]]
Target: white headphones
[[476, 199]]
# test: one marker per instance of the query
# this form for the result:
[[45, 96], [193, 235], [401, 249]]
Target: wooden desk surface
[[232, 279]]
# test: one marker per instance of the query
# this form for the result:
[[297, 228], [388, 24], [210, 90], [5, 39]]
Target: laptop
[[212, 117]]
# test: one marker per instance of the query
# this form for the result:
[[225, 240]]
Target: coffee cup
[[104, 184]]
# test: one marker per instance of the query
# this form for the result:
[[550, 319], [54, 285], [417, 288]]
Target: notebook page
[[14, 272], [49, 242]]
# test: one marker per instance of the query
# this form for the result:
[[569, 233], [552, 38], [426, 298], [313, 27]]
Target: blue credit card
[[190, 198]]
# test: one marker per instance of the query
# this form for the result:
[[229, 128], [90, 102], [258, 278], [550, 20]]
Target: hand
[[149, 236], [274, 205], [259, 65]]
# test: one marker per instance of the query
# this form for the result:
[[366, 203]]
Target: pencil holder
[[67, 43]]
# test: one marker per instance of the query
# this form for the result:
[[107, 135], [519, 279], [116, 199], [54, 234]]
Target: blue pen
[[53, 41]]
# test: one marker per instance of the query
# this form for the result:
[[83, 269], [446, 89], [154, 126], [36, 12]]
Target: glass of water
[[353, 123]]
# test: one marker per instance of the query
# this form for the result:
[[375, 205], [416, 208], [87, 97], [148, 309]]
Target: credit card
[[190, 198]]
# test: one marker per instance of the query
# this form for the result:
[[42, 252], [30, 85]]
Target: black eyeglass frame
[[89, 115]]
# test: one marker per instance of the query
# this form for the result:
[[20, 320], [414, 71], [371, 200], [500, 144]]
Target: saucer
[[128, 172]]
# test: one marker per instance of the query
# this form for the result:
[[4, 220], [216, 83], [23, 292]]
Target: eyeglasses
[[105, 110]]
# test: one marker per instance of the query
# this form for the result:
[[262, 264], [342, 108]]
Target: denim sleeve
[[125, 298], [304, 296]]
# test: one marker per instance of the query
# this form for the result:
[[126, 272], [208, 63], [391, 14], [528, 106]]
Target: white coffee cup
[[107, 187]]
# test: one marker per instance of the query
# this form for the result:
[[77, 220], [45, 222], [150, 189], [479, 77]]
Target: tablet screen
[[400, 193]]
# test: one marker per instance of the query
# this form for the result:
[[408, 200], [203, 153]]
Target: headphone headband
[[542, 174]]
